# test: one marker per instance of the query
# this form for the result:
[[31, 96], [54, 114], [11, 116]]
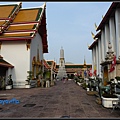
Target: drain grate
[[66, 116], [29, 105], [3, 98], [0, 109]]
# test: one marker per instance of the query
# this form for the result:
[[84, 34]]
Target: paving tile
[[60, 101]]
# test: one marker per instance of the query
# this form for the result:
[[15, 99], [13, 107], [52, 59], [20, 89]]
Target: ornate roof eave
[[98, 35], [43, 27], [31, 22], [109, 13], [93, 44], [15, 38], [14, 31]]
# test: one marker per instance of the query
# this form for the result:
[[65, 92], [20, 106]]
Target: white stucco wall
[[36, 43], [16, 53]]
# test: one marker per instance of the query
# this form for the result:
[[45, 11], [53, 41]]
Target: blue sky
[[69, 25]]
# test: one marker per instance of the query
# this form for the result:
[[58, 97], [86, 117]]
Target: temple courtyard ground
[[63, 100]]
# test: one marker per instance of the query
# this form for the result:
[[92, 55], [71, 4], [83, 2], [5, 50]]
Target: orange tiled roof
[[21, 24], [27, 15], [6, 10]]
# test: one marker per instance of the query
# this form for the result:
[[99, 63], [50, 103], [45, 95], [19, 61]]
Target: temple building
[[23, 42], [69, 70], [106, 46]]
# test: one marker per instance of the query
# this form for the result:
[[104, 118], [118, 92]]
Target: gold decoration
[[92, 35], [28, 44], [33, 65], [88, 45], [96, 26]]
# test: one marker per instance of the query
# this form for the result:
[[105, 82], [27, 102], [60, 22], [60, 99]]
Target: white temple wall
[[112, 33], [16, 53], [99, 57], [97, 66], [101, 45], [93, 56], [117, 26], [107, 37], [36, 43]]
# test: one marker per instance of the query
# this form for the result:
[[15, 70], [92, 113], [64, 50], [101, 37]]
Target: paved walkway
[[64, 100]]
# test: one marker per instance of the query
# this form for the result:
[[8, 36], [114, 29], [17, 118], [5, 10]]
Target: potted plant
[[98, 86], [91, 88], [108, 95], [117, 86], [29, 77], [9, 82]]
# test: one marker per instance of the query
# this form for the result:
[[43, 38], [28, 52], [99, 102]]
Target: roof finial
[[45, 4], [96, 26], [92, 35], [88, 45]]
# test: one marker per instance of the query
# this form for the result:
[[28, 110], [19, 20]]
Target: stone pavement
[[63, 100]]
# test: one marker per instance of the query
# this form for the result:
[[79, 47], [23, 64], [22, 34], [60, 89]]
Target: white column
[[112, 33], [102, 45], [93, 60], [107, 37], [117, 26], [99, 56], [97, 65]]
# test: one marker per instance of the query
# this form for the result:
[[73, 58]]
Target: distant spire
[[84, 61]]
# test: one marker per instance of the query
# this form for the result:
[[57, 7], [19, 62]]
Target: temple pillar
[[93, 56], [107, 37], [102, 46], [112, 33], [99, 57], [117, 26], [97, 65]]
